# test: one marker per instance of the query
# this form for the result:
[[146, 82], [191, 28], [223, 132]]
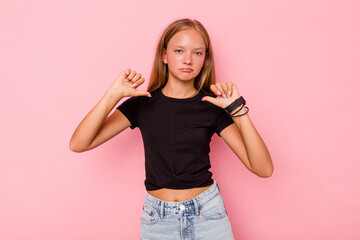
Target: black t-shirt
[[176, 135]]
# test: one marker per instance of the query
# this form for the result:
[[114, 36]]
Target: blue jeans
[[202, 217]]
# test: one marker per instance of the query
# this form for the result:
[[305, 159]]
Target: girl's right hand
[[126, 83]]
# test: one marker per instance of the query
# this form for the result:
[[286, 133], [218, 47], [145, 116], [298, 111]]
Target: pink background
[[295, 62]]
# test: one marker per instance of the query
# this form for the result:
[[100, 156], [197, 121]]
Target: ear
[[164, 57]]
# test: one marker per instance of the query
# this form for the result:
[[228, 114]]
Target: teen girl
[[177, 116]]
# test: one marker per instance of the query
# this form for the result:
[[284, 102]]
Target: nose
[[187, 58]]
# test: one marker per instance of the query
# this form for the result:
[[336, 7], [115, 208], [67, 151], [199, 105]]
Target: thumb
[[142, 93], [209, 99]]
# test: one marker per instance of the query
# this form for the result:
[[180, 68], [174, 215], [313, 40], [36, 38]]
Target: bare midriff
[[177, 195]]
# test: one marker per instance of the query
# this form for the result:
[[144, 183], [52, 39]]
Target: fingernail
[[218, 93], [224, 96], [229, 92], [133, 84]]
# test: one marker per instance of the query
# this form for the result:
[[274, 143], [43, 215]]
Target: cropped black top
[[176, 135]]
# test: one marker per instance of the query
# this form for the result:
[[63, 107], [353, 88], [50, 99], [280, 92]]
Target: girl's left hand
[[226, 93]]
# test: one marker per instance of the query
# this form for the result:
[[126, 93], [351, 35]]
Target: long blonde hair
[[159, 74]]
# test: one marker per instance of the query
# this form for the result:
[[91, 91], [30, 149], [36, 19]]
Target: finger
[[209, 99], [135, 78], [225, 89], [220, 89], [229, 87], [138, 82], [125, 73], [215, 90], [131, 75]]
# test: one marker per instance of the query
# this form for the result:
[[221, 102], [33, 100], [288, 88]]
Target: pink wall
[[295, 62]]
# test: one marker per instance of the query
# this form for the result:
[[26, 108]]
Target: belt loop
[[161, 209], [197, 207]]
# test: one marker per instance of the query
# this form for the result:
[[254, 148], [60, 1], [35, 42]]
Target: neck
[[179, 89]]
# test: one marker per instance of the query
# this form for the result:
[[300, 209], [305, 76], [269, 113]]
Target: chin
[[187, 79]]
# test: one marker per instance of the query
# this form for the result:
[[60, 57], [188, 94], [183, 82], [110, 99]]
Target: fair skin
[[184, 56]]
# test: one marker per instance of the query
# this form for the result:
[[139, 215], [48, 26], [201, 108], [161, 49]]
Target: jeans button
[[182, 207]]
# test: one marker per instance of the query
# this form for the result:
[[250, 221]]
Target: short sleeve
[[128, 108], [223, 120]]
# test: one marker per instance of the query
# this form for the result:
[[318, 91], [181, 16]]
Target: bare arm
[[97, 127], [242, 137], [245, 141]]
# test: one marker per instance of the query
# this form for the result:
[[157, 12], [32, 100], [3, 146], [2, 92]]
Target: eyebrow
[[178, 46]]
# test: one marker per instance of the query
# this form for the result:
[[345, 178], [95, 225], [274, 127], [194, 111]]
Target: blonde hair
[[159, 74]]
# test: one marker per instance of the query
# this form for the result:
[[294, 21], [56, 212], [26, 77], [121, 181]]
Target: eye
[[198, 53], [178, 50]]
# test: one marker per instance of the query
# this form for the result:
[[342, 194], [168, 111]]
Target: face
[[185, 55]]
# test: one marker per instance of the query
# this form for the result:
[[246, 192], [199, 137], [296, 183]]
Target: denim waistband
[[191, 205]]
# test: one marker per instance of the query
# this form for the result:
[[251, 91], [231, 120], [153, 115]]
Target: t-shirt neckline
[[178, 99]]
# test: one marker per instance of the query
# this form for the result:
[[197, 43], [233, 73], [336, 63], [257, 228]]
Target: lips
[[186, 69]]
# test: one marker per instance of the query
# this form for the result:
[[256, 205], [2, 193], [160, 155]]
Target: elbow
[[266, 173], [75, 148]]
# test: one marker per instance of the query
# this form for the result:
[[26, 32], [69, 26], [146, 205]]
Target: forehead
[[187, 38]]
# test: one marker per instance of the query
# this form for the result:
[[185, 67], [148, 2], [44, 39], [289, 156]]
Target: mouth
[[186, 69]]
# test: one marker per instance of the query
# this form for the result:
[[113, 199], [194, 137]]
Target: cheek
[[172, 64], [173, 60], [199, 62]]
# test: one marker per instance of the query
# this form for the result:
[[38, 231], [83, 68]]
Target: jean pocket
[[214, 209], [149, 215]]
